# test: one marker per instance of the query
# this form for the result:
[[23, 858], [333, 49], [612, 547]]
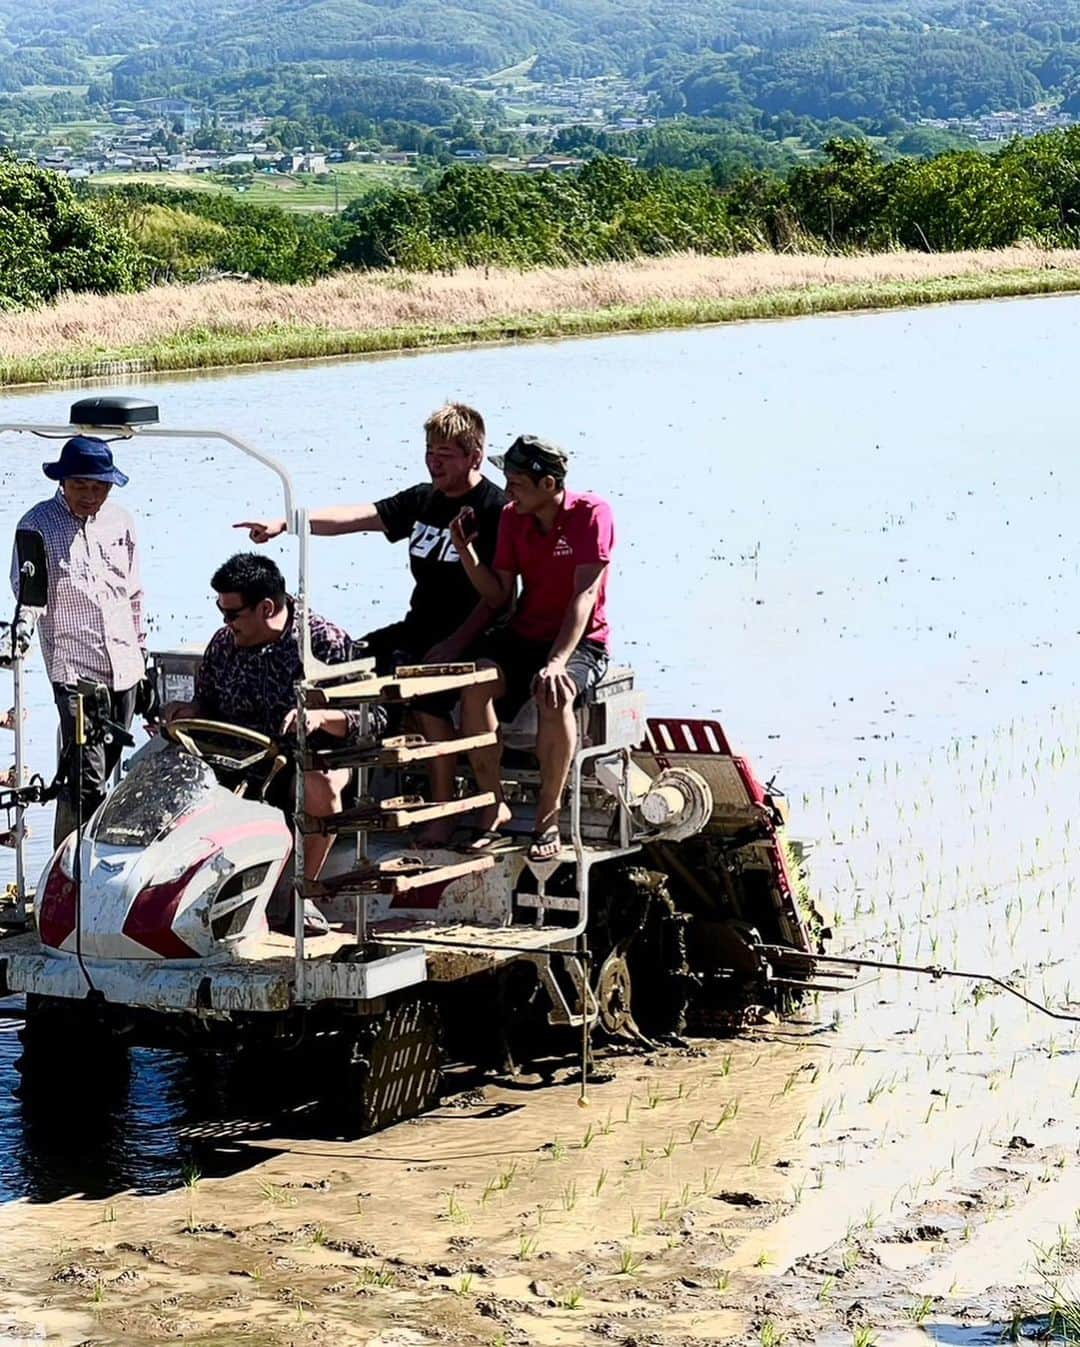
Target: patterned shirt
[[92, 626], [255, 685]]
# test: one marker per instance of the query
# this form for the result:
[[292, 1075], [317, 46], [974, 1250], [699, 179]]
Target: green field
[[292, 191]]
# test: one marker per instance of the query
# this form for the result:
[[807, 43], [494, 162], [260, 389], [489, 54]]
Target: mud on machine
[[149, 923]]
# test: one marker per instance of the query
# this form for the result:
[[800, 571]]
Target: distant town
[[168, 135], [1003, 126], [159, 135]]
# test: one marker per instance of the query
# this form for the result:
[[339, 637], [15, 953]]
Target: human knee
[[322, 794], [555, 717]]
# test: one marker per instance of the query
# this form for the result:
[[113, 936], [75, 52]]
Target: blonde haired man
[[451, 522]]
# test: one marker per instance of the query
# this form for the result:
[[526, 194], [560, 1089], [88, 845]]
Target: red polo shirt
[[583, 534]]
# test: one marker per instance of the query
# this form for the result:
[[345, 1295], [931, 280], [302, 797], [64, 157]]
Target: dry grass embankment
[[229, 322]]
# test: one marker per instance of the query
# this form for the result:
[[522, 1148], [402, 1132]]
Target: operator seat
[[519, 734]]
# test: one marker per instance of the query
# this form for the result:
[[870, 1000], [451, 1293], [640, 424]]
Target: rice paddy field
[[291, 191], [852, 540]]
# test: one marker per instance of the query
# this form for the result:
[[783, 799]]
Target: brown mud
[[895, 1163], [792, 1185]]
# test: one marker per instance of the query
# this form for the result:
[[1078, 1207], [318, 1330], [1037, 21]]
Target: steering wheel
[[188, 733]]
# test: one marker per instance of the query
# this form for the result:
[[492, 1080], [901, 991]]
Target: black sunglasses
[[231, 614]]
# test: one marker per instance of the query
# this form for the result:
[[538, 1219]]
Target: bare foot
[[494, 818]]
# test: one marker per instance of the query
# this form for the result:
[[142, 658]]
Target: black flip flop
[[481, 840], [549, 838]]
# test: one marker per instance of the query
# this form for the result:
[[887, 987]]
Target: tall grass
[[233, 322]]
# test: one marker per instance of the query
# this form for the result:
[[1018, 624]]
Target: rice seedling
[[369, 1277], [570, 1298], [527, 1245], [601, 1179], [569, 1196], [629, 1263], [730, 1113], [769, 1335], [276, 1194], [464, 1285], [191, 1183], [920, 1310]]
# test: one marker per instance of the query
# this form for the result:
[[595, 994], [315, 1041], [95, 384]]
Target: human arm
[[552, 683], [340, 724], [495, 587], [327, 522]]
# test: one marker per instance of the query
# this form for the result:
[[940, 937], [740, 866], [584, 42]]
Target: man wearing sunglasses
[[248, 676]]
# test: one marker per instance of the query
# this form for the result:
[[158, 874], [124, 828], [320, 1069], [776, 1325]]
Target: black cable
[[80, 731]]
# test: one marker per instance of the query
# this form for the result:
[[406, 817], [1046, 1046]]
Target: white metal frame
[[296, 523]]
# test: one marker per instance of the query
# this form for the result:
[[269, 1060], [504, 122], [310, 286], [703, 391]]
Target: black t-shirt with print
[[443, 595]]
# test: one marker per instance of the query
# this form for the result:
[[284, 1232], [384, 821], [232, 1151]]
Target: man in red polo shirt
[[555, 647]]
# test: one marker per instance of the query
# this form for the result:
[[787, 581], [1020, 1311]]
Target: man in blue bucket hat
[[92, 625]]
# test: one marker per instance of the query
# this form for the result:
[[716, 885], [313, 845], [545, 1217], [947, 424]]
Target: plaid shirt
[[92, 626], [255, 685]]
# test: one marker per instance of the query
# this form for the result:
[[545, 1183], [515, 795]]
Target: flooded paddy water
[[853, 540]]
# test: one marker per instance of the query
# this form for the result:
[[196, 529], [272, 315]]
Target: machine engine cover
[[173, 866]]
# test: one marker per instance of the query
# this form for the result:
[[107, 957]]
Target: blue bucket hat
[[85, 456]]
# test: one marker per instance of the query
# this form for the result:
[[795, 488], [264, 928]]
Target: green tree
[[966, 200], [843, 200], [52, 241]]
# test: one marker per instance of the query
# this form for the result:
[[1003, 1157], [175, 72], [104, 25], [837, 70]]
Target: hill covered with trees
[[818, 58]]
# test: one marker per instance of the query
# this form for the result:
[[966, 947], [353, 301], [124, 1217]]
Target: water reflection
[[143, 1120]]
